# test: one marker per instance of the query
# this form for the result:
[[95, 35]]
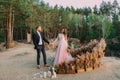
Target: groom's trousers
[[39, 50]]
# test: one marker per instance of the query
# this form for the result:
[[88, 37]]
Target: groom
[[38, 40]]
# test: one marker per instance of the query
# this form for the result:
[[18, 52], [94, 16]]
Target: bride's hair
[[64, 31]]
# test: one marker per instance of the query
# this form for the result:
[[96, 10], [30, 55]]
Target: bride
[[61, 54]]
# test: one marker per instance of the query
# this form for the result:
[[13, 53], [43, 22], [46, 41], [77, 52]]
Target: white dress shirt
[[40, 40]]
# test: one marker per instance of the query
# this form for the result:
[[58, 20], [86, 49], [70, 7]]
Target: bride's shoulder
[[59, 33]]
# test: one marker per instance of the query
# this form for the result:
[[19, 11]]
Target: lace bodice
[[61, 37]]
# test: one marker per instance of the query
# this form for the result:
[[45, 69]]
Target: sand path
[[19, 63]]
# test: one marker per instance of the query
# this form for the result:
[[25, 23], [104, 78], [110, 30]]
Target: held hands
[[51, 45]]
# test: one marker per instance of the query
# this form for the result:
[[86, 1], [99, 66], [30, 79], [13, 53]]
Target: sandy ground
[[19, 63]]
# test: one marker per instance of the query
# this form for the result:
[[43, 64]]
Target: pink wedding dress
[[61, 54]]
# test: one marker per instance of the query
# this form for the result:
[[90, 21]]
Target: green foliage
[[82, 23], [106, 25], [94, 26]]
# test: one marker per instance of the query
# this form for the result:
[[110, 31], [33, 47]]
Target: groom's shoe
[[46, 65], [38, 66]]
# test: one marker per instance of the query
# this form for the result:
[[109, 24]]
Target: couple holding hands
[[61, 54]]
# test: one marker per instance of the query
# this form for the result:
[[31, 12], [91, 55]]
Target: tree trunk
[[12, 27], [9, 36], [21, 34]]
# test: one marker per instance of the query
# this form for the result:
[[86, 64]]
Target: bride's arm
[[66, 38], [55, 40]]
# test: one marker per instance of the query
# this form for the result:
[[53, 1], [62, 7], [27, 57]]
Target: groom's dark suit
[[40, 47]]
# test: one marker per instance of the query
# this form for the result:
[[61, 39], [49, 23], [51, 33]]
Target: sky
[[77, 3]]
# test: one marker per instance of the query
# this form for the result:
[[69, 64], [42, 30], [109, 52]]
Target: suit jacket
[[36, 39]]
